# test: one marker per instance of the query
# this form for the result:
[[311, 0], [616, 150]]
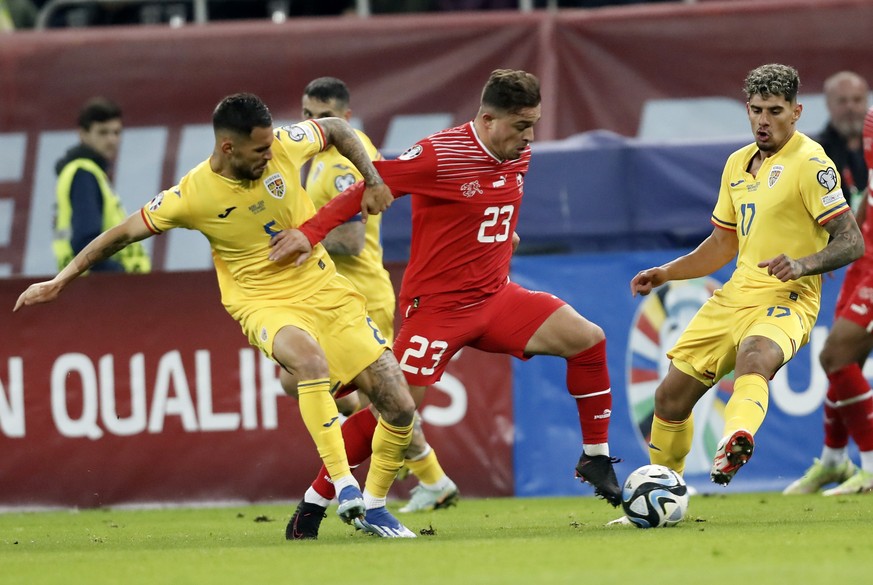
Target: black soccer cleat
[[305, 522], [598, 471]]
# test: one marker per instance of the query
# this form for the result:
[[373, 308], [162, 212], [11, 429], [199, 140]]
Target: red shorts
[[855, 302], [430, 335]]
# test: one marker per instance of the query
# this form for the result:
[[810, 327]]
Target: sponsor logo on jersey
[[818, 160], [775, 173], [275, 184], [860, 309], [226, 212], [738, 183], [156, 202], [500, 182], [827, 178], [519, 180], [471, 188], [258, 207], [751, 187], [411, 153], [264, 334]]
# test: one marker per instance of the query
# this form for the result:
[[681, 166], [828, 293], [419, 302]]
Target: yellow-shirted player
[[780, 201], [356, 249], [307, 318]]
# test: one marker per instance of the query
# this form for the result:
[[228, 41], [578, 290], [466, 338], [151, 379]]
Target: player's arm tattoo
[[845, 246], [343, 137]]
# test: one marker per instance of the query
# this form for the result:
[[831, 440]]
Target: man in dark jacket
[[86, 204], [846, 98]]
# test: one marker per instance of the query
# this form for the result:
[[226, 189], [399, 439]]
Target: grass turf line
[[762, 538]]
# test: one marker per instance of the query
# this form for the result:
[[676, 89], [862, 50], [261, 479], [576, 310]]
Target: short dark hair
[[241, 113], [325, 89], [773, 80], [98, 109], [511, 90]]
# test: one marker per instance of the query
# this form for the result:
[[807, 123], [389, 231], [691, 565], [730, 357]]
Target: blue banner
[[639, 331]]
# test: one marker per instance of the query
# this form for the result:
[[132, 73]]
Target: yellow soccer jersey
[[779, 211], [239, 217], [330, 174]]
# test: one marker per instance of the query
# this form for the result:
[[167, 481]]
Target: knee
[[672, 405]]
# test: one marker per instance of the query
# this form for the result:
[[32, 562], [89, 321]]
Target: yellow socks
[[748, 404], [389, 445], [427, 469], [322, 421], [671, 442]]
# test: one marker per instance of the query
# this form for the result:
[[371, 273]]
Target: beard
[[248, 173]]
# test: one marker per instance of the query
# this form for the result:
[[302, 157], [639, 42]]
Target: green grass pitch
[[747, 539]]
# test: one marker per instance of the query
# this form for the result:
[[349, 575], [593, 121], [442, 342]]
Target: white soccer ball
[[654, 496]]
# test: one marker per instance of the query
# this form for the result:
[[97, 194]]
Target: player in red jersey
[[848, 407], [466, 185]]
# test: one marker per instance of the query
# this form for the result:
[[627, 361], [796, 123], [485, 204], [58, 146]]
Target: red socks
[[588, 383], [849, 409]]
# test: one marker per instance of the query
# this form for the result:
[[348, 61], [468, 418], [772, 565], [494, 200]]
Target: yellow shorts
[[707, 349], [335, 317], [384, 319]]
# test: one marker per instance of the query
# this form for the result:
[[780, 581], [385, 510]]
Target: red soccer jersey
[[465, 206]]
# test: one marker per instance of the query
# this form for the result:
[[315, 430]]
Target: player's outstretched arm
[[377, 196], [132, 229], [714, 252], [845, 246]]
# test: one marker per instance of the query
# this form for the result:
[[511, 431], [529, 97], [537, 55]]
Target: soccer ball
[[654, 496]]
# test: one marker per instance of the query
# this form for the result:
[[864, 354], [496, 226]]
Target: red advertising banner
[[142, 389]]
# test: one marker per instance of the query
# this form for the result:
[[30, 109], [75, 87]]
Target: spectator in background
[[848, 407], [86, 204], [846, 95]]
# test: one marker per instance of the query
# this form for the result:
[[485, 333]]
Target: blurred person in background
[[86, 204], [846, 96], [848, 405], [356, 249]]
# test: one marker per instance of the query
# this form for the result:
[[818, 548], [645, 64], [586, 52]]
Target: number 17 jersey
[[465, 204]]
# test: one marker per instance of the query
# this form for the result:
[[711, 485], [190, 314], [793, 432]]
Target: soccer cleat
[[425, 499], [380, 522], [598, 471], [732, 453], [860, 483], [351, 504], [819, 475], [305, 522]]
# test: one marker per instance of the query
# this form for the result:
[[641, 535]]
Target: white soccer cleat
[[425, 499], [380, 522]]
